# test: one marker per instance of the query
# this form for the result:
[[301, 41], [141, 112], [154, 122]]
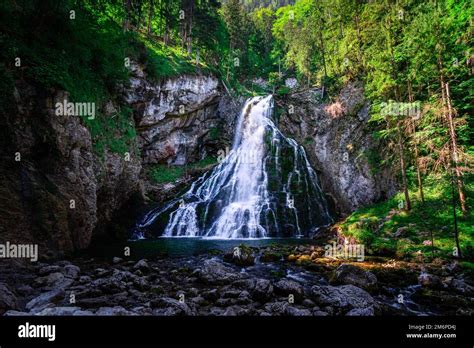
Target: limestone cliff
[[338, 140]]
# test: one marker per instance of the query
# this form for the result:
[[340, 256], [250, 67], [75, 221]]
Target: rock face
[[59, 190], [62, 193], [339, 144], [178, 119]]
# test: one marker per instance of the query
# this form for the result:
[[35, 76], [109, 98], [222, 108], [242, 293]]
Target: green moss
[[204, 163], [375, 226], [162, 174], [214, 133]]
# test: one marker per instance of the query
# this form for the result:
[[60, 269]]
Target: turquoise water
[[149, 248]]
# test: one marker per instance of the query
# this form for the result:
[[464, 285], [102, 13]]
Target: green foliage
[[162, 173], [376, 225]]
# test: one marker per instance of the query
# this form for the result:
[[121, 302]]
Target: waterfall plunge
[[265, 187]]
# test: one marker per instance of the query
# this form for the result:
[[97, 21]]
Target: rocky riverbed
[[268, 281]]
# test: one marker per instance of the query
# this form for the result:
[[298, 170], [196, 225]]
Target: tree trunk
[[403, 168], [126, 21], [448, 113], [417, 160], [454, 151], [399, 130], [150, 17]]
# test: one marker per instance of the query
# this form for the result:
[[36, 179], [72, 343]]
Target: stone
[[430, 281], [236, 311], [364, 312], [286, 287], [351, 274], [47, 299], [72, 271], [142, 266], [276, 308], [49, 269], [113, 311], [242, 255], [213, 272], [8, 300], [58, 311], [12, 313], [297, 312], [343, 297], [167, 306], [262, 290]]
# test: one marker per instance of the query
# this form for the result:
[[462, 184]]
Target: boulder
[[167, 306], [241, 256], [214, 272], [343, 297], [286, 287], [47, 299], [8, 300], [351, 274]]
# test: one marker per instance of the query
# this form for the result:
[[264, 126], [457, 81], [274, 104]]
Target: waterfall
[[265, 187]]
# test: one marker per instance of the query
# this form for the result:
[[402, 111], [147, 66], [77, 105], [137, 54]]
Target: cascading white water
[[264, 187]]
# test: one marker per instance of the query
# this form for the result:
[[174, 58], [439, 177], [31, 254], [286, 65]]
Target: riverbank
[[273, 280]]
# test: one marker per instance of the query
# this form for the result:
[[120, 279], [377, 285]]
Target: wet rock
[[8, 300], [231, 293], [308, 303], [100, 272], [364, 312], [276, 308], [211, 295], [71, 271], [12, 313], [286, 287], [51, 280], [460, 286], [113, 311], [260, 289], [216, 311], [142, 265], [198, 300], [344, 297], [45, 270], [94, 302], [213, 272], [116, 260], [167, 306], [47, 299], [319, 313], [351, 274], [84, 279], [59, 311], [236, 311], [297, 312], [427, 280], [241, 256], [25, 290]]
